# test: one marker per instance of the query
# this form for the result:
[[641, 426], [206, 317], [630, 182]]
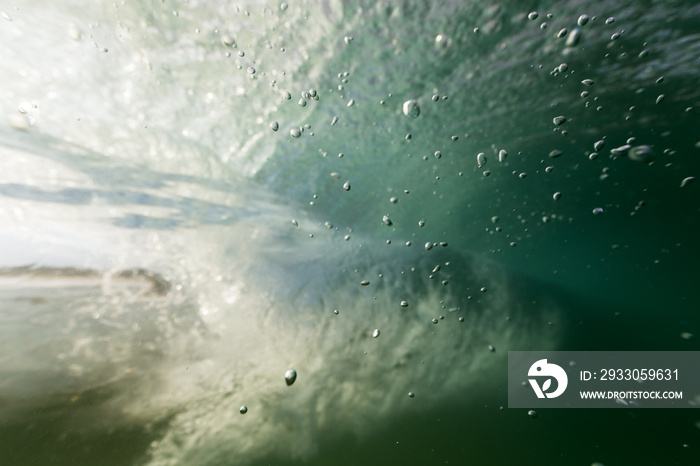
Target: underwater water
[[386, 197]]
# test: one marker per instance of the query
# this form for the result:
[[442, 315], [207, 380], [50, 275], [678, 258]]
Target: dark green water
[[136, 136]]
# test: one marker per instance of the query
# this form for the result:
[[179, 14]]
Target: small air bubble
[[243, 410], [533, 15], [532, 413], [582, 20], [376, 333], [295, 132], [559, 120], [274, 125], [290, 376]]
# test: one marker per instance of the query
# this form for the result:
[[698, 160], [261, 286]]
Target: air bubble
[[411, 108], [243, 410], [274, 125], [481, 159], [533, 15], [404, 303], [582, 20], [290, 376], [364, 282], [532, 413], [346, 186], [376, 333], [641, 153], [598, 211], [502, 154], [559, 120], [295, 132]]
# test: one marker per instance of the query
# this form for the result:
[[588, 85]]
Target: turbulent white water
[[192, 195]]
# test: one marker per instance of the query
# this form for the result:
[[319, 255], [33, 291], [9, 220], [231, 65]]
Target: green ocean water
[[158, 137]]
